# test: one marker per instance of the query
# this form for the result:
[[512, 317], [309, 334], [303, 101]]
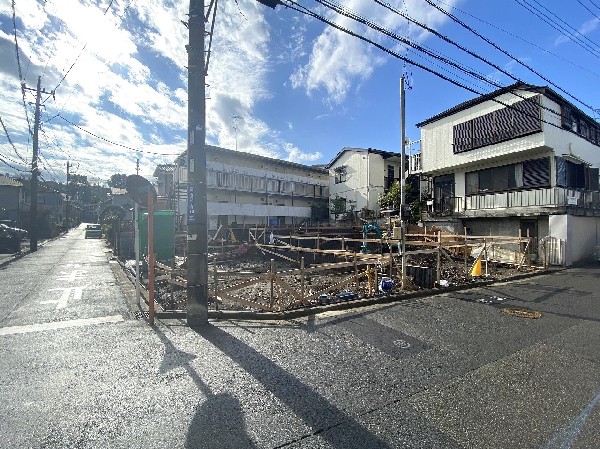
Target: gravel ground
[[252, 260]]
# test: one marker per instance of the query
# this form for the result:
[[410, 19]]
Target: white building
[[360, 175], [247, 189], [520, 158]]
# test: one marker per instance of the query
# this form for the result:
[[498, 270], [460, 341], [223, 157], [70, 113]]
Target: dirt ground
[[171, 297]]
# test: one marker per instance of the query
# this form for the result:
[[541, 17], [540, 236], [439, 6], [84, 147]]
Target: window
[[532, 173], [519, 119], [390, 177], [574, 121], [340, 174]]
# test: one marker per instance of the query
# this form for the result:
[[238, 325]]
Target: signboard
[[191, 210], [572, 200]]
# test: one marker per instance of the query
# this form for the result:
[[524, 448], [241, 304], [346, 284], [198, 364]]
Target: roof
[[384, 154], [252, 156], [6, 181], [544, 90]]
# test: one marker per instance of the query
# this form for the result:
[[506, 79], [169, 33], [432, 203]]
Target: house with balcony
[[246, 189], [360, 175], [521, 159]]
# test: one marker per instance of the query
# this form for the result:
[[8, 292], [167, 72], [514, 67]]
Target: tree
[[118, 180], [337, 206], [412, 197]]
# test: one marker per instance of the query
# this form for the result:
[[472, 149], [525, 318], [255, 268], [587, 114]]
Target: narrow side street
[[448, 371]]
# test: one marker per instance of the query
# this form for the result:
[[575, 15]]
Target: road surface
[[80, 370]]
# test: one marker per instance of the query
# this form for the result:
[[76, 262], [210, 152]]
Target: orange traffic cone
[[476, 270]]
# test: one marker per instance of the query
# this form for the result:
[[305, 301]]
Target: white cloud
[[338, 61]]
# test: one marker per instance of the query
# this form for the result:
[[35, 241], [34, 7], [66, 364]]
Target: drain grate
[[141, 315], [522, 313]]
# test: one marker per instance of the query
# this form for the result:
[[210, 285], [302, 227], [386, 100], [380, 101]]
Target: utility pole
[[33, 231], [402, 177], [68, 199], [197, 234]]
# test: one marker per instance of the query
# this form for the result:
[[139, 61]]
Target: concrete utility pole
[[402, 177], [68, 199], [197, 234], [33, 231]]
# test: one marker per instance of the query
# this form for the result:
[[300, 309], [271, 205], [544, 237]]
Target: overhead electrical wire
[[13, 147], [497, 47], [350, 14], [544, 18], [21, 80], [588, 9], [445, 38], [572, 35], [292, 4], [115, 143], [520, 38]]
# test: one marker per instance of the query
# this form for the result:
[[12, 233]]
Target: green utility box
[[164, 233]]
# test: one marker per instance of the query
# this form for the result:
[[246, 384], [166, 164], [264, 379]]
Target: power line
[[588, 9], [549, 21], [350, 14], [11, 143], [520, 38], [21, 80], [509, 89], [497, 47], [114, 143]]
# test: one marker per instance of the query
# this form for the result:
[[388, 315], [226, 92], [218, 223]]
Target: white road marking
[[55, 325], [64, 299], [75, 275]]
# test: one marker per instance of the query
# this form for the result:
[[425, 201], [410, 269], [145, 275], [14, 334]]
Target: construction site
[[264, 269]]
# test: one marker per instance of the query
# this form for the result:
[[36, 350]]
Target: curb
[[354, 304]]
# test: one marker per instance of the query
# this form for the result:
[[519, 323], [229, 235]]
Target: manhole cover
[[522, 313]]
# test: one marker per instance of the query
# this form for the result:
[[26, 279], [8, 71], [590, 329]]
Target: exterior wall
[[565, 142], [437, 137], [580, 235], [365, 175], [248, 189]]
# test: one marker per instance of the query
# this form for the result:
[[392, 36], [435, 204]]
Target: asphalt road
[[78, 370]]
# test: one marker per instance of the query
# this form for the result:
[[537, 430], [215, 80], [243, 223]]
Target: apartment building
[[520, 159], [248, 189]]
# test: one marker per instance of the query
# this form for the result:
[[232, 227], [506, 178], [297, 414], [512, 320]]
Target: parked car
[[93, 231], [9, 242], [17, 232]]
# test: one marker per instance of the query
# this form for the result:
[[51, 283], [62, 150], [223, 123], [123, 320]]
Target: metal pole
[[197, 237], [402, 178], [151, 258], [136, 245]]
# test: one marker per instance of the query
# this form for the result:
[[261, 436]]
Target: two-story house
[[360, 175], [521, 158], [248, 189]]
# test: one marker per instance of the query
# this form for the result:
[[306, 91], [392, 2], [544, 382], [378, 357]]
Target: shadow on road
[[330, 423], [219, 420]]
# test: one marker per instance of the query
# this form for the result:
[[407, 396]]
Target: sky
[[281, 83]]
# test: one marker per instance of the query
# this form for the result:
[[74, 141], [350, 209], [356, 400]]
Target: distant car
[[9, 242], [93, 231], [17, 232]]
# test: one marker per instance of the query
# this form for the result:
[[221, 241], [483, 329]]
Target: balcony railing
[[552, 197]]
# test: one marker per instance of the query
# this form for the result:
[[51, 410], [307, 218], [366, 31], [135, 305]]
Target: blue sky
[[301, 89]]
